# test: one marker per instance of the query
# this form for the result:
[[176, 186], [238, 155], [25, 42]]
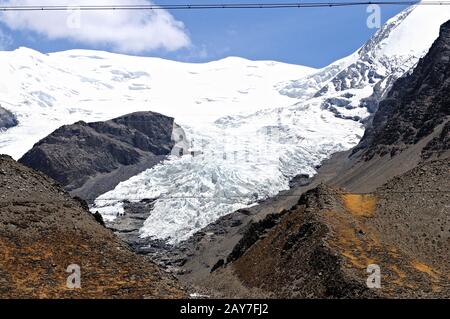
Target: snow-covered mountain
[[351, 86], [291, 118], [46, 91]]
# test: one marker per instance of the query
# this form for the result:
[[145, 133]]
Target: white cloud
[[130, 31]]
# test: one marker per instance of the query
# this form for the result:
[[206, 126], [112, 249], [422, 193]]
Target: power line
[[150, 200], [292, 5], [380, 193]]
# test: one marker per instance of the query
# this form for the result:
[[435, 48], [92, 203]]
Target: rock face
[[43, 231], [7, 119], [89, 159], [372, 67], [415, 106]]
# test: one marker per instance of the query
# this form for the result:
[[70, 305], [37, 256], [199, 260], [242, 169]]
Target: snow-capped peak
[[364, 77]]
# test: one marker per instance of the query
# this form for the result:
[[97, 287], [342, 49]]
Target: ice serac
[[238, 161]]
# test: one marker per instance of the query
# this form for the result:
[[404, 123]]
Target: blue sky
[[312, 37]]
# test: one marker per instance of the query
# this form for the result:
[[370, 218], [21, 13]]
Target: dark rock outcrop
[[439, 144], [89, 159], [252, 235], [415, 106], [7, 119]]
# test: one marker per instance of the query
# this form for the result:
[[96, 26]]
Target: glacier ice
[[234, 167]]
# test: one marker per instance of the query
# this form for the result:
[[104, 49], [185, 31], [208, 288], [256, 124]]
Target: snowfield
[[251, 125], [47, 91]]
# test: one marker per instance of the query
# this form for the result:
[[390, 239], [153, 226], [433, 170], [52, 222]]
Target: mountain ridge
[[89, 159], [426, 85]]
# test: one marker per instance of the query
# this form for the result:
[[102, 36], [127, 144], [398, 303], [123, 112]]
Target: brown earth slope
[[323, 246], [43, 231]]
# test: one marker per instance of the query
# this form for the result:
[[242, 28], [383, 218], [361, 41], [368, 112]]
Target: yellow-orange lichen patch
[[352, 239], [360, 204], [359, 261], [401, 275], [426, 269]]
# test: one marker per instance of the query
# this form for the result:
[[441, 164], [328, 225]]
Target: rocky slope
[[411, 125], [43, 231], [388, 209], [323, 245], [415, 105], [89, 159]]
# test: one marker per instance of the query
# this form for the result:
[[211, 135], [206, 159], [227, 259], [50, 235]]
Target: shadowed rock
[[7, 119], [415, 106], [89, 159]]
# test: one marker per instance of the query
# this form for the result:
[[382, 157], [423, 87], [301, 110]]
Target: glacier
[[251, 125], [234, 165], [246, 158]]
